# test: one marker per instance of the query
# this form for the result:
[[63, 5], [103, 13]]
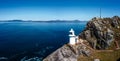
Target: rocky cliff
[[100, 33], [69, 53]]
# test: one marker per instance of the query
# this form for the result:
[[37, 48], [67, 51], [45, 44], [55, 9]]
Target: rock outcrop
[[98, 34], [68, 53]]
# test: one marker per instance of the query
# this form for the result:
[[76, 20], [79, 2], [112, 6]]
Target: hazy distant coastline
[[42, 21]]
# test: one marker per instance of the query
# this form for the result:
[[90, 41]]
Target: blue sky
[[57, 9]]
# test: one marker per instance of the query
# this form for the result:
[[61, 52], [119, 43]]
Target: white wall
[[72, 40]]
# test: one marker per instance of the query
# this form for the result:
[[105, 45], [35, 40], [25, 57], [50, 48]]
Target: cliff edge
[[100, 35], [101, 32]]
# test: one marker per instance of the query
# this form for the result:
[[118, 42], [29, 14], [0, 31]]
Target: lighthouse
[[72, 37]]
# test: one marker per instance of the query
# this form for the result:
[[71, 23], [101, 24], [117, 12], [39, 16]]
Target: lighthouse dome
[[71, 32]]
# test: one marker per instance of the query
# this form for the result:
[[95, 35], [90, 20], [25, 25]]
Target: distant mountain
[[11, 21], [15, 21], [41, 21]]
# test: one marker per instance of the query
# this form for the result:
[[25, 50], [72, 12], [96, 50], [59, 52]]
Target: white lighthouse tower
[[72, 37]]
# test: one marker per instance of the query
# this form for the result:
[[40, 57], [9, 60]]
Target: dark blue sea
[[34, 39]]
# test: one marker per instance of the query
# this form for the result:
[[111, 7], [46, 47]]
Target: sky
[[57, 9]]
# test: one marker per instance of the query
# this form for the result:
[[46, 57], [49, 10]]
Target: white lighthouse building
[[72, 37]]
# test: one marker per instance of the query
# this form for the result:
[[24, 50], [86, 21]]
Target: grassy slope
[[103, 56]]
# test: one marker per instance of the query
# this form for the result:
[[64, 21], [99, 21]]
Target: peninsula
[[99, 41]]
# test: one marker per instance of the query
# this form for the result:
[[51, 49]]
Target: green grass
[[103, 56]]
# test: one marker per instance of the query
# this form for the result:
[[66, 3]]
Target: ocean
[[34, 39]]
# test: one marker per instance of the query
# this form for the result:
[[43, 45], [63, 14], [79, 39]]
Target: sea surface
[[34, 39]]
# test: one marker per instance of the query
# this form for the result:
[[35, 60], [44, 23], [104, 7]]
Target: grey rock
[[68, 53], [63, 54], [99, 32]]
